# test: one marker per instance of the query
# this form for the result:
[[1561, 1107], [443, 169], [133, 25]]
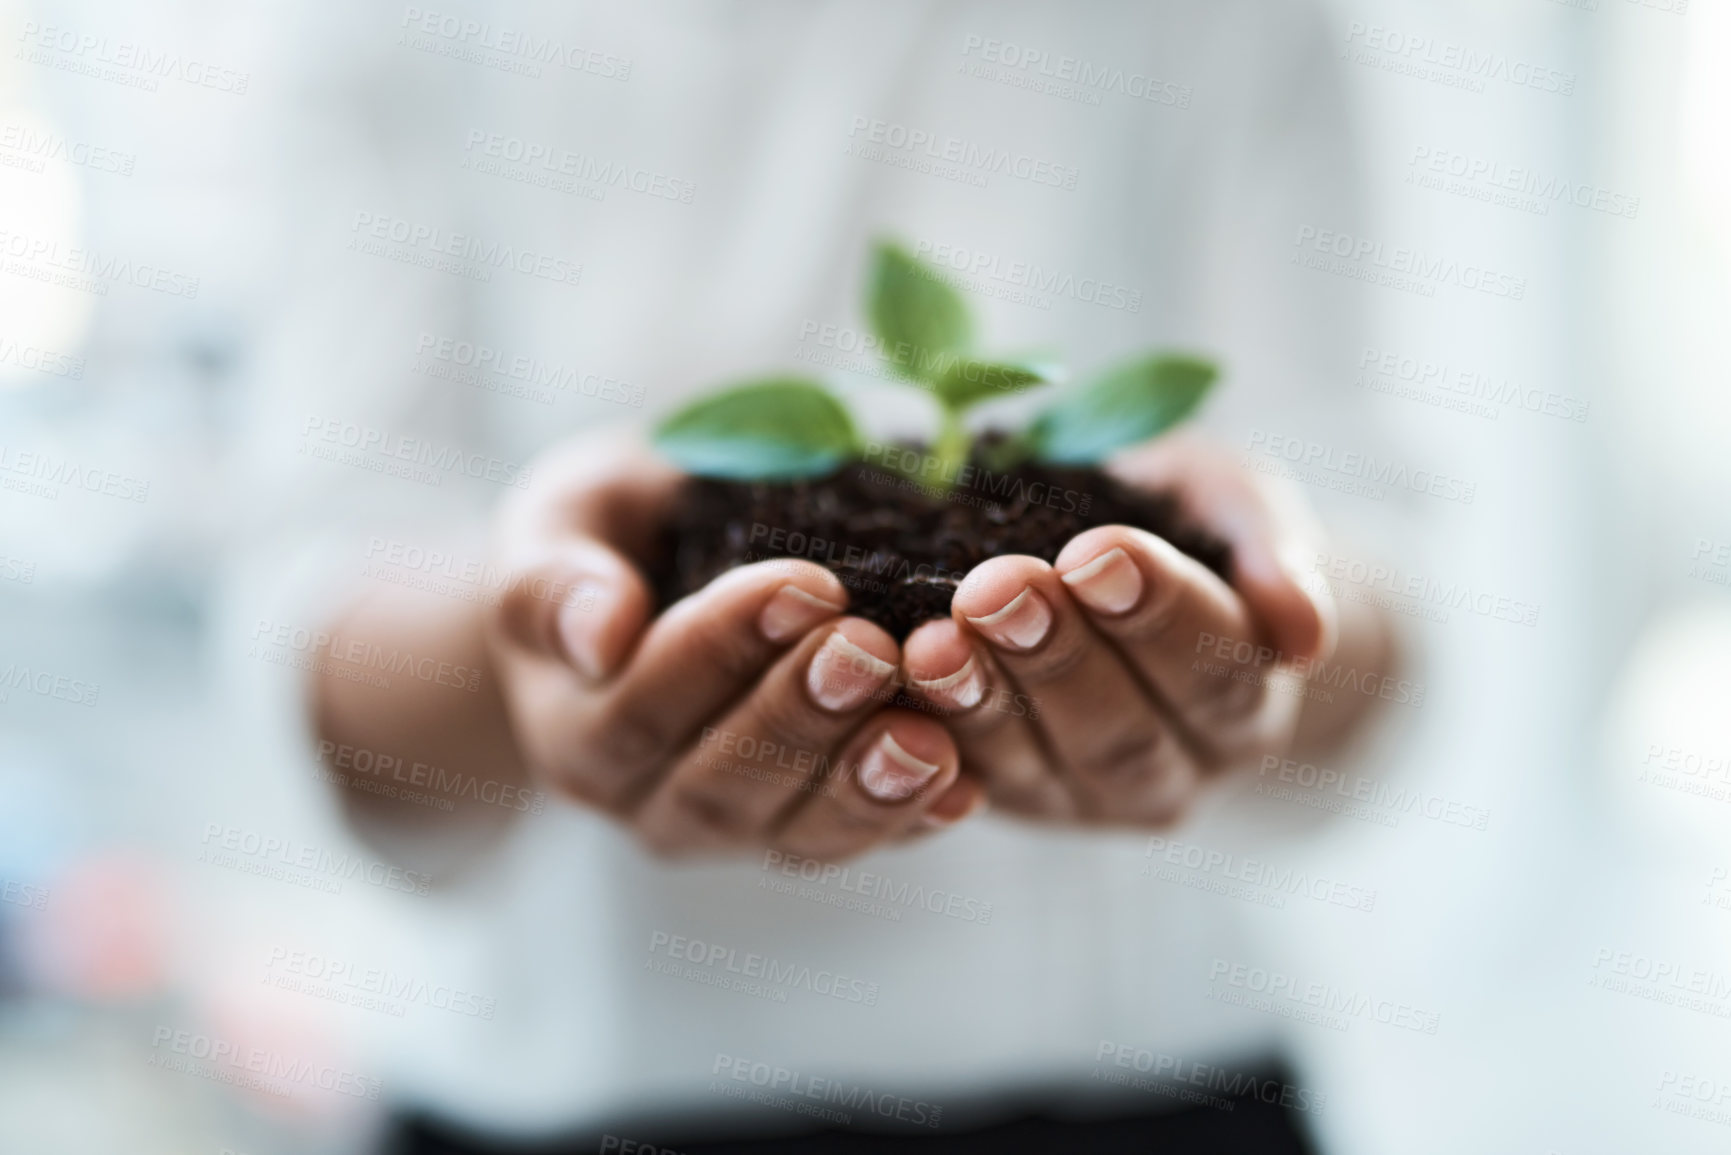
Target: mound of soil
[[900, 547]]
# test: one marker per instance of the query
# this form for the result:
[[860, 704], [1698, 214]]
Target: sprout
[[786, 428]]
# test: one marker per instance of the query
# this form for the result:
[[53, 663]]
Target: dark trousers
[[1040, 1123]]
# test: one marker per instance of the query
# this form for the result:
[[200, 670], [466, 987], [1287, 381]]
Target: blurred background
[[1576, 948]]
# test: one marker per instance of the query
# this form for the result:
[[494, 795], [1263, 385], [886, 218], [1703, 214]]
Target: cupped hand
[[1105, 688], [748, 715]]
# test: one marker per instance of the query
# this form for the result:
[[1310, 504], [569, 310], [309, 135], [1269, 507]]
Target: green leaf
[[1129, 403], [969, 380], [781, 428], [922, 322]]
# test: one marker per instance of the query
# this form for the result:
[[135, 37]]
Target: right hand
[[748, 715]]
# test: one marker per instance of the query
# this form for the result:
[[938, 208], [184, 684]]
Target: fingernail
[[581, 621], [962, 689], [844, 677], [890, 774], [791, 612], [1021, 625], [1110, 584]]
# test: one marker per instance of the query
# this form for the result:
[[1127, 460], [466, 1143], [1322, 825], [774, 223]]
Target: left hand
[[1107, 687]]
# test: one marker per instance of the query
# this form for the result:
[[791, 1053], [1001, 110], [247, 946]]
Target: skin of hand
[[1137, 672], [750, 714]]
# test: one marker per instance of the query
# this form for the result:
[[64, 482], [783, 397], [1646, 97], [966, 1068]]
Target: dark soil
[[900, 547]]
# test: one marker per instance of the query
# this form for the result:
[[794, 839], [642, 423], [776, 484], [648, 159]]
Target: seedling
[[786, 428]]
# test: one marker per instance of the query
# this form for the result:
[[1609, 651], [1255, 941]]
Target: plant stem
[[951, 449]]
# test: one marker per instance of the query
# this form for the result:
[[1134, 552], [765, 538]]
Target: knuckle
[[1168, 800], [1229, 700], [782, 718], [1046, 800], [524, 617], [859, 816], [1164, 615], [1011, 767], [984, 718], [1068, 649], [714, 817], [629, 738], [725, 647], [1132, 761]]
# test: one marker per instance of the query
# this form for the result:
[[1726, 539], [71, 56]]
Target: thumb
[[1269, 526], [577, 601], [573, 592], [1268, 567]]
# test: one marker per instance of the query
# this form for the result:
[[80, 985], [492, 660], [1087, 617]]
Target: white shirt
[[1158, 207]]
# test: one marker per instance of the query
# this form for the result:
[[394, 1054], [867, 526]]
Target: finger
[[1272, 532], [963, 797], [703, 652], [1168, 615], [949, 668], [887, 780], [784, 735], [577, 601], [569, 545], [1101, 726]]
